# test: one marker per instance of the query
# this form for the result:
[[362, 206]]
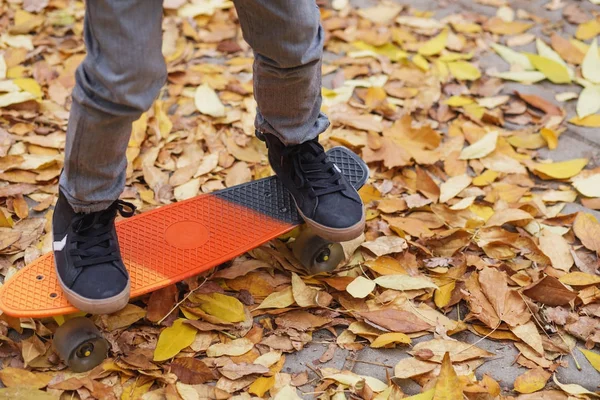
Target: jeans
[[124, 70]]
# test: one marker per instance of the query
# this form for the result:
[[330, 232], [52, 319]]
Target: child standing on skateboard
[[119, 79]]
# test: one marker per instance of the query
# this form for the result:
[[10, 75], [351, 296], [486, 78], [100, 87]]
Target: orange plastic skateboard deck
[[179, 240]]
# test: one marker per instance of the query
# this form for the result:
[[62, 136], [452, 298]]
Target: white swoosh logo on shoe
[[58, 246]]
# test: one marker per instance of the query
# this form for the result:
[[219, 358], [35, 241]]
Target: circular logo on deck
[[186, 235]]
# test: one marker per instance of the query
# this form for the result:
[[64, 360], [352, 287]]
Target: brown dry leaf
[[557, 249], [192, 371], [18, 377], [529, 334], [407, 368], [509, 306], [550, 291], [427, 186], [458, 351], [390, 152], [161, 302], [386, 245], [587, 229], [395, 321], [508, 215], [236, 371]]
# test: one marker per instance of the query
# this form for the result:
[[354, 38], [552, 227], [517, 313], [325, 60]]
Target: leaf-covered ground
[[467, 230]]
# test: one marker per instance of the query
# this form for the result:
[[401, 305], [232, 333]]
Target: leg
[[119, 79], [287, 40]]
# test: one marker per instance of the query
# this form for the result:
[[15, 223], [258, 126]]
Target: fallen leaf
[[459, 351], [512, 57], [448, 386], [587, 229], [192, 371], [386, 245], [481, 148], [453, 186], [174, 339], [18, 377], [409, 367], [360, 287], [592, 357], [573, 388], [589, 101], [588, 186], [236, 347], [550, 291], [207, 101], [579, 279], [554, 71], [557, 249], [281, 299], [304, 295], [590, 67], [236, 371], [528, 333], [508, 215], [509, 306], [219, 305], [395, 320], [404, 282], [388, 338], [532, 381], [463, 70]]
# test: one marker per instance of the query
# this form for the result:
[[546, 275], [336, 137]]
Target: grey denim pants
[[124, 70]]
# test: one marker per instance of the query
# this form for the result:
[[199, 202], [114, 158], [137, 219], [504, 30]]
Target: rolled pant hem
[[86, 207]]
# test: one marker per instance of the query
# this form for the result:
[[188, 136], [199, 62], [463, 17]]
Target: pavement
[[575, 142]]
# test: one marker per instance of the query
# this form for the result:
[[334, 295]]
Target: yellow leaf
[[593, 358], [135, 390], [590, 68], [588, 186], [591, 121], [588, 30], [481, 148], [360, 287], [219, 305], [520, 76], [435, 45], [236, 347], [29, 85], [484, 212], [459, 101], [573, 388], [387, 338], [443, 295], [553, 70], [486, 178], [579, 279], [389, 50], [532, 142], [386, 265], [164, 123], [261, 386], [550, 137], [19, 377], [304, 295], [20, 393], [421, 62], [589, 101], [466, 27], [463, 70], [369, 193], [174, 339], [532, 381], [448, 386], [207, 101], [561, 170], [281, 299], [512, 57], [428, 395]]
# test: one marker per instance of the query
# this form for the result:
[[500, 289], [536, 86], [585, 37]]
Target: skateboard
[[177, 241]]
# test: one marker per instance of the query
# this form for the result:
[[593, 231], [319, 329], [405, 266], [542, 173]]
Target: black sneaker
[[324, 198], [88, 259]]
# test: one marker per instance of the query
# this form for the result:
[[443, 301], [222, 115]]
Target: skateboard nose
[[186, 234]]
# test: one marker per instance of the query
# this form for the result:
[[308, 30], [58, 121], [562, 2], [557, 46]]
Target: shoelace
[[313, 168], [93, 235]]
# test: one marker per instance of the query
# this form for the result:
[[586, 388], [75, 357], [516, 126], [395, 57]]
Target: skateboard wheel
[[317, 254], [80, 344]]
